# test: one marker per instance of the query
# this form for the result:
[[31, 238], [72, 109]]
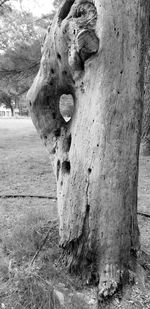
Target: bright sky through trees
[[36, 7]]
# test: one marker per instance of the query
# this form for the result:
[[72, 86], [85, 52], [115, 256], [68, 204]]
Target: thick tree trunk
[[94, 51]]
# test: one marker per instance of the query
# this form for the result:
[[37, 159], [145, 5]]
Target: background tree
[[21, 37], [6, 99], [96, 54]]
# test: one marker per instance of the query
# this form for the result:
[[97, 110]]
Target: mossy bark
[[94, 51]]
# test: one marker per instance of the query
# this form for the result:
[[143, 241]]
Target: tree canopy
[[21, 37]]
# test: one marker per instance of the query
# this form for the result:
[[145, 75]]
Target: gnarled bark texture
[[145, 145], [94, 51]]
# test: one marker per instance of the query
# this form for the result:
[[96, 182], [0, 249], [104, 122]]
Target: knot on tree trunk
[[69, 43]]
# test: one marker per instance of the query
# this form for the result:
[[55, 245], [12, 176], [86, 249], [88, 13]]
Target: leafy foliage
[[20, 50], [21, 37]]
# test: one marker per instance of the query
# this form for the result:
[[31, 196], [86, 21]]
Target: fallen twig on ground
[[40, 247]]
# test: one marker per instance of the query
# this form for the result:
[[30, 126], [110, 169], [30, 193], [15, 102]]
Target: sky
[[37, 7]]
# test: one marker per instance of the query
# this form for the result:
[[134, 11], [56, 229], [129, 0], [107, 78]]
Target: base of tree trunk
[[72, 292], [109, 283], [130, 292]]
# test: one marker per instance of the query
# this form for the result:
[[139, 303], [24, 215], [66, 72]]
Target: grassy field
[[25, 170], [26, 213]]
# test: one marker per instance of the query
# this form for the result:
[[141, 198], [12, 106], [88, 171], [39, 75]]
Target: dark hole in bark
[[45, 136], [58, 168], [61, 183], [121, 72], [69, 140], [87, 207], [64, 72], [54, 115], [59, 56], [117, 34], [66, 106], [89, 170], [51, 83], [30, 103], [53, 151], [65, 9], [66, 167], [52, 71], [47, 100], [57, 132]]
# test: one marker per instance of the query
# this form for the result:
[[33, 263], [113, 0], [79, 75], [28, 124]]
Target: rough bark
[[94, 51], [145, 145]]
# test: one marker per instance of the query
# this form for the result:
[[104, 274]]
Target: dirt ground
[[28, 189]]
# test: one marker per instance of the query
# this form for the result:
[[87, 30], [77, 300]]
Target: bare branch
[[2, 2]]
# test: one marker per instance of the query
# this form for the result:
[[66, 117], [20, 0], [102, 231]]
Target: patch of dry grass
[[25, 285], [22, 242], [26, 289]]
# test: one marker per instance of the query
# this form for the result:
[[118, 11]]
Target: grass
[[29, 286], [25, 237], [24, 222], [25, 169]]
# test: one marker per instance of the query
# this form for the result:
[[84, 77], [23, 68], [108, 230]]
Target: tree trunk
[[145, 145], [94, 51], [9, 104], [12, 110]]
